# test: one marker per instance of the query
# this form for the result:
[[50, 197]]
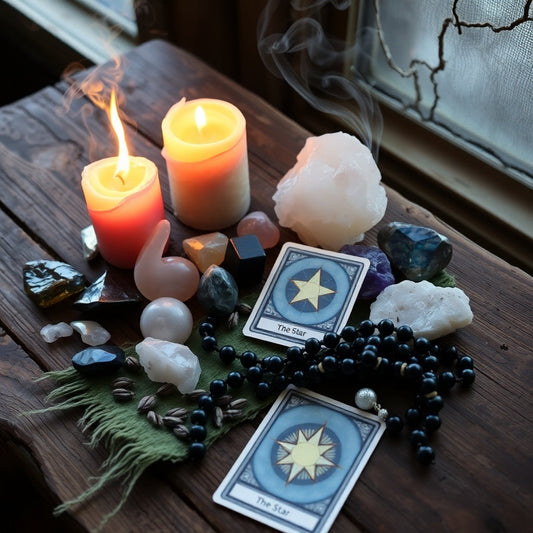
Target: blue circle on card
[[334, 285], [277, 463]]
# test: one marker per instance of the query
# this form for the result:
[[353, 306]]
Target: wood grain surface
[[481, 480]]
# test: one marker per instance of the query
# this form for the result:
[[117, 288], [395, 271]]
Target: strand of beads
[[365, 355]]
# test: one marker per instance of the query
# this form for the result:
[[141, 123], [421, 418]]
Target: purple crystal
[[416, 251], [379, 274]]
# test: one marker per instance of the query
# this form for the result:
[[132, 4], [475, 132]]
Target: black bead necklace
[[365, 355]]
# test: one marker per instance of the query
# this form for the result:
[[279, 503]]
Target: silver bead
[[365, 399], [383, 414]]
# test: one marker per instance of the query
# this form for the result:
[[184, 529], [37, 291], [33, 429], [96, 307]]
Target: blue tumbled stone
[[99, 360], [217, 292], [379, 273], [417, 252]]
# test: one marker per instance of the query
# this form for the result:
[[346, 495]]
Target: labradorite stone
[[48, 282], [99, 360], [416, 252], [379, 273], [218, 292]]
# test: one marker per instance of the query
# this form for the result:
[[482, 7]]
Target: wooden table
[[481, 480]]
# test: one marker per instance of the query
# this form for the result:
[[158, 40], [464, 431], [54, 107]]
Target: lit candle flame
[[123, 162], [199, 116]]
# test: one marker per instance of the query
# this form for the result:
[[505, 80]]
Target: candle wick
[[119, 176]]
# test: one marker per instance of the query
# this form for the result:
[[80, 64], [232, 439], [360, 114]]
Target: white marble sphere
[[333, 193], [167, 319], [169, 362], [430, 311]]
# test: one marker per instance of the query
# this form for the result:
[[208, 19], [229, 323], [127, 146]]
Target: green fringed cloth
[[132, 442]]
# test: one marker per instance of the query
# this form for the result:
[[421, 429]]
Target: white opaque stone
[[333, 194], [430, 311], [169, 362], [91, 332], [157, 276], [51, 332], [167, 319]]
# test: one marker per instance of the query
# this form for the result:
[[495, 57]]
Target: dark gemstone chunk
[[99, 360], [112, 289], [417, 252], [245, 259], [217, 292], [49, 282]]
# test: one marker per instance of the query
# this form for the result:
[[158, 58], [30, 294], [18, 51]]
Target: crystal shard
[[91, 332], [432, 312], [49, 282], [206, 250], [417, 252], [51, 332]]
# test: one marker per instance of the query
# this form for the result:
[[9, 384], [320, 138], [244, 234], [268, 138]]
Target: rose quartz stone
[[257, 223]]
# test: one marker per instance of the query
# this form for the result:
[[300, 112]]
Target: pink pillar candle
[[124, 209], [207, 163]]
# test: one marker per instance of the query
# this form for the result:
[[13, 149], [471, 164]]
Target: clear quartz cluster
[[431, 311], [333, 193]]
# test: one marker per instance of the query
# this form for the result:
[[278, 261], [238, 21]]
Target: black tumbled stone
[[99, 360]]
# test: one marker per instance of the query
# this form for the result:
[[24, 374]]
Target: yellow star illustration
[[306, 454], [311, 289]]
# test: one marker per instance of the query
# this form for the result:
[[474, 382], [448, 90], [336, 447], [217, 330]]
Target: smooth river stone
[[51, 332], [379, 274], [169, 362], [99, 361], [218, 293], [206, 250], [49, 282], [258, 223], [417, 252], [431, 311]]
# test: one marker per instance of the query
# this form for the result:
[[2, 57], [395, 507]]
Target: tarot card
[[308, 293], [302, 462]]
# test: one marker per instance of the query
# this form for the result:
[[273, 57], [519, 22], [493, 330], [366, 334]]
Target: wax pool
[[207, 163], [124, 210]]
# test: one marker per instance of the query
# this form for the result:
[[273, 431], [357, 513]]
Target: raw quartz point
[[258, 223], [431, 311], [416, 251], [89, 244], [206, 250], [333, 194], [49, 282], [169, 362], [115, 287], [157, 276], [51, 332], [91, 332], [99, 361], [379, 274], [218, 293]]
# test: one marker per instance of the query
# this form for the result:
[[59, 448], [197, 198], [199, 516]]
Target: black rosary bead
[[434, 404], [248, 359], [404, 333], [312, 346], [331, 339], [425, 455], [430, 362], [403, 351], [206, 403], [349, 333], [369, 358], [464, 362], [217, 388], [227, 354], [262, 390], [295, 354], [413, 416], [366, 328], [298, 378], [274, 364], [421, 345], [413, 371], [209, 344], [389, 344], [314, 376], [344, 349], [428, 385], [358, 344], [206, 329], [235, 379], [394, 424], [197, 450], [432, 423], [197, 433], [448, 355], [279, 382], [418, 437], [447, 380], [199, 417], [348, 367], [254, 374], [329, 364], [467, 376], [386, 327]]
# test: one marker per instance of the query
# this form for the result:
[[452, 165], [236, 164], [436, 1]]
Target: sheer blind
[[464, 68]]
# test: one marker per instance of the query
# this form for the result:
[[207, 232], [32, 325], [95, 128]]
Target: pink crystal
[[257, 223]]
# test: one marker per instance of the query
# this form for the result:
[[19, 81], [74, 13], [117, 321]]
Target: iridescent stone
[[112, 289], [169, 362], [167, 319], [379, 274], [258, 223], [218, 293], [91, 332], [430, 311], [245, 259], [206, 250], [416, 251], [49, 282], [99, 361], [89, 244], [51, 332]]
